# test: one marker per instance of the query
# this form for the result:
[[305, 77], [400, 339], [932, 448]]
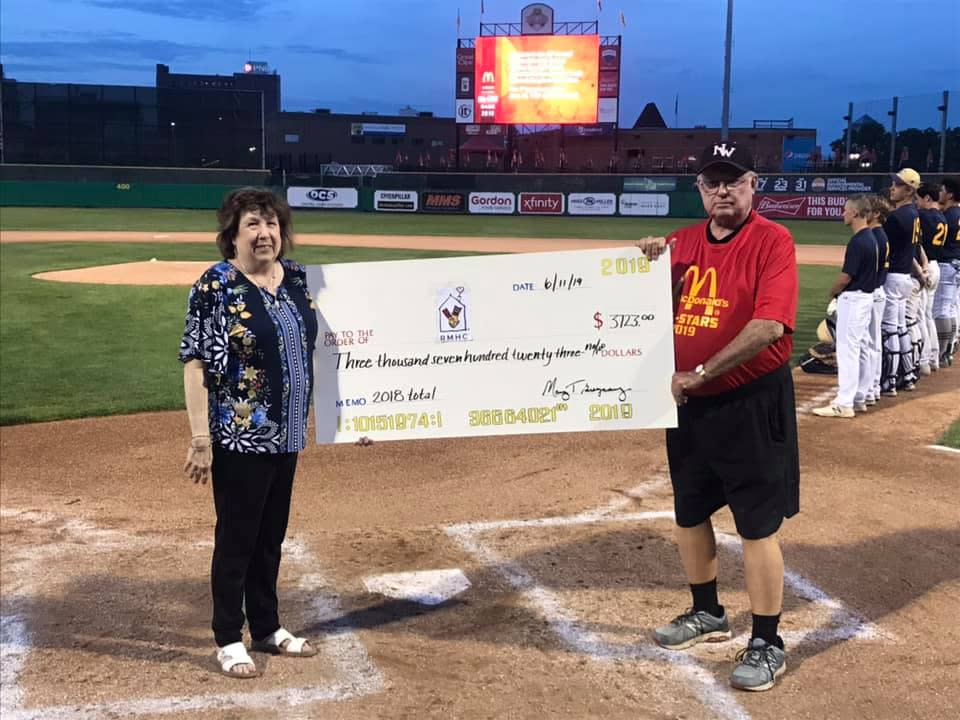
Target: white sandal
[[229, 656], [274, 644]]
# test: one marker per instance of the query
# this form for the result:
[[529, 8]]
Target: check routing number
[[493, 345]]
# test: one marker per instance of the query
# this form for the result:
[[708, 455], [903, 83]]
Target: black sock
[[705, 598], [765, 628]]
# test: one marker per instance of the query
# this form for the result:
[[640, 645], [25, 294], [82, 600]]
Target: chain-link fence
[[917, 131]]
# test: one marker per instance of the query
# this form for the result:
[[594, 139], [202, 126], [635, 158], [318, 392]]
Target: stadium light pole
[[943, 129], [893, 134], [728, 52], [849, 118]]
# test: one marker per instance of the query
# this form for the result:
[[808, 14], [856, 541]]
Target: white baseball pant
[[854, 367], [876, 320], [931, 344], [897, 287]]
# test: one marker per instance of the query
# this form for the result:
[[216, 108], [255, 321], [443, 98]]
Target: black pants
[[740, 449], [251, 493]]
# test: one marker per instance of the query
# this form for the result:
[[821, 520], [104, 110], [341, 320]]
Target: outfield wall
[[120, 187], [780, 196]]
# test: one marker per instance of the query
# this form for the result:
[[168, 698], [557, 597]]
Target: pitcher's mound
[[150, 272]]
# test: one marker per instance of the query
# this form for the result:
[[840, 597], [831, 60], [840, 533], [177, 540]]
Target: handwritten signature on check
[[553, 388]]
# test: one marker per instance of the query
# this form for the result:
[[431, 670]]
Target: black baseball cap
[[735, 155]]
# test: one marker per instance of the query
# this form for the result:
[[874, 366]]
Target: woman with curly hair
[[247, 351]]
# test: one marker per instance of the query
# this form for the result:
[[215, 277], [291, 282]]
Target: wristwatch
[[701, 371]]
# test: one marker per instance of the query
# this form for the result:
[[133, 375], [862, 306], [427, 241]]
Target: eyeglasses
[[712, 187]]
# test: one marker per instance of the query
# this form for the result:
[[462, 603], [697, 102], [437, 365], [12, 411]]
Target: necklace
[[272, 283]]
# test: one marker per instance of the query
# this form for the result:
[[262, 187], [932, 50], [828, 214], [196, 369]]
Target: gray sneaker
[[690, 628], [760, 665]]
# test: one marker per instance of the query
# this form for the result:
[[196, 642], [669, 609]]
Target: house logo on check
[[453, 315]]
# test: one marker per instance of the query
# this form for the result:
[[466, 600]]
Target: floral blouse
[[257, 352]]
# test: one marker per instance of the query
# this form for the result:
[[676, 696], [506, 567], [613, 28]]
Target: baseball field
[[565, 539]]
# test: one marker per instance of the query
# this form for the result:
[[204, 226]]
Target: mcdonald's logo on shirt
[[694, 296]]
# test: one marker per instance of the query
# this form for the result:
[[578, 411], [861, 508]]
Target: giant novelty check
[[493, 345]]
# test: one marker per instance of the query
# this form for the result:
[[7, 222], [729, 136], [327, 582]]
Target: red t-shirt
[[725, 285]]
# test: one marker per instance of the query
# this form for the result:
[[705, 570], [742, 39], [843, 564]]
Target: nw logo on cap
[[723, 150]]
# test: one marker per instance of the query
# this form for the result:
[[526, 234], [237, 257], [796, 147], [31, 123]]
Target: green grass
[[951, 438], [815, 281], [71, 350], [805, 232]]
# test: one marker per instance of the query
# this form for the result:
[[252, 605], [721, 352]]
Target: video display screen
[[537, 79]]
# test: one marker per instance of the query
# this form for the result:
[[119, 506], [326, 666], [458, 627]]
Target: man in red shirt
[[735, 282]]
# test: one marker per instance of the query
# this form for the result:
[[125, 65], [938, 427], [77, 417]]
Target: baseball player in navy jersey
[[946, 302], [933, 235], [853, 289], [880, 209], [903, 232]]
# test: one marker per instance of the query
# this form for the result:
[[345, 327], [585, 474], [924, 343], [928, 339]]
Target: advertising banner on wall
[[395, 200], [464, 111], [800, 207], [644, 204], [592, 203], [378, 129], [605, 130], [649, 184], [609, 84], [492, 203], [817, 184], [797, 152], [443, 202], [607, 110], [465, 58], [541, 203], [318, 197], [610, 57]]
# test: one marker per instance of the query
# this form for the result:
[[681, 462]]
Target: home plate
[[427, 587]]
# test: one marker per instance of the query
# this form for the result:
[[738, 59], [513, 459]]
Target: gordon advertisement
[[492, 203], [545, 79], [800, 207]]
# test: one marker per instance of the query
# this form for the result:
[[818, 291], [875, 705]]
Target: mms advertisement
[[537, 79]]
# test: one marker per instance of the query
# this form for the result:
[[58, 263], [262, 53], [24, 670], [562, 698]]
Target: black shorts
[[738, 448]]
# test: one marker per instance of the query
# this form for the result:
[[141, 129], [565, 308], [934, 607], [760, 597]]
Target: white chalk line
[[816, 401], [588, 518], [339, 643], [564, 623], [944, 448], [842, 623]]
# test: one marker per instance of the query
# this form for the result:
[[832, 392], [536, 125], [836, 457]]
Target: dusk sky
[[800, 58]]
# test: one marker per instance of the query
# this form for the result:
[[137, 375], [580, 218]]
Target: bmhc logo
[[452, 310]]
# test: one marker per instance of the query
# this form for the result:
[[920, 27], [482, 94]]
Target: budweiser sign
[[800, 207], [790, 206]]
